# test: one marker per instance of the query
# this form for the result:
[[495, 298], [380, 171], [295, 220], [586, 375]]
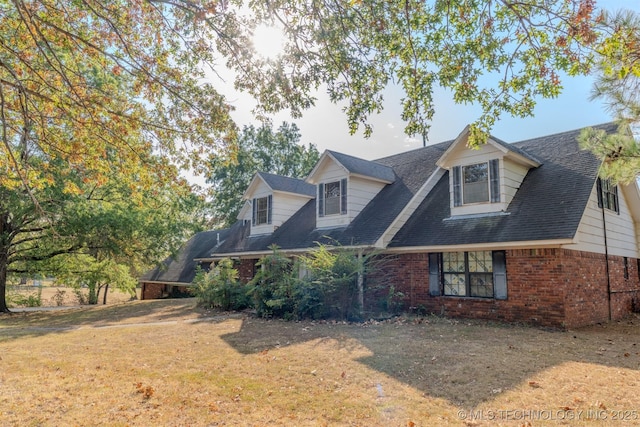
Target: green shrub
[[220, 288], [33, 299], [273, 287]]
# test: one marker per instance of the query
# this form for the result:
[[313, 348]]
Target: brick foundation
[[547, 287]]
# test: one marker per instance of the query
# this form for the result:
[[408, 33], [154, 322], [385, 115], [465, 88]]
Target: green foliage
[[618, 85], [220, 288], [498, 55], [273, 286], [257, 150], [334, 272], [32, 299], [328, 290]]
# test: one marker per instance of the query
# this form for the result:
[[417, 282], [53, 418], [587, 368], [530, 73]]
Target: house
[[522, 232], [173, 277]]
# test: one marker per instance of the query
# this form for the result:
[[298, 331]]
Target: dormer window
[[476, 183], [332, 198], [262, 210]]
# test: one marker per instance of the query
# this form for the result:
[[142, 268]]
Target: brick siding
[[246, 269], [548, 287]]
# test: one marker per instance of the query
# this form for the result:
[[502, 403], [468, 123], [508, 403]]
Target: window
[[480, 274], [626, 268], [332, 198], [608, 195], [475, 187], [262, 210], [478, 183]]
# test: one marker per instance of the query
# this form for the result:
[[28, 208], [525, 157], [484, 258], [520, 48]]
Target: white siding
[[360, 191], [512, 176], [622, 235], [465, 156], [283, 206], [261, 190]]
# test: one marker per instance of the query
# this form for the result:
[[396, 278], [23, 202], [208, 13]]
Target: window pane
[[261, 210], [481, 285], [454, 284], [480, 262], [453, 262], [476, 183], [332, 198]]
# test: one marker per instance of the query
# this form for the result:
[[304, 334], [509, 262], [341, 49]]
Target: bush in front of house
[[220, 287], [322, 284], [274, 285]]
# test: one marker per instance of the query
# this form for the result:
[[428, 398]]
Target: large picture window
[[480, 274], [332, 198]]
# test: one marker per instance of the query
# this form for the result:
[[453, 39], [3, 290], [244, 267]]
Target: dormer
[[273, 199], [344, 185], [484, 180]]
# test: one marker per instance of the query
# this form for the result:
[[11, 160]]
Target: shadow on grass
[[465, 362], [134, 312]]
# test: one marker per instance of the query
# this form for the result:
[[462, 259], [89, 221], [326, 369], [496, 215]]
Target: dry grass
[[52, 296], [170, 363]]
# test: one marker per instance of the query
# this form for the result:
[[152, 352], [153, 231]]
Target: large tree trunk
[[4, 261], [3, 282]]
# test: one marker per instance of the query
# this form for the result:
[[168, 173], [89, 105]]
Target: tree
[[258, 150], [82, 79], [100, 103], [618, 84], [499, 54], [93, 233]]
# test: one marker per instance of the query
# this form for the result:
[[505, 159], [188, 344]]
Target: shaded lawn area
[[171, 363]]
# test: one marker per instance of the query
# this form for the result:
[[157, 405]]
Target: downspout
[[606, 258]]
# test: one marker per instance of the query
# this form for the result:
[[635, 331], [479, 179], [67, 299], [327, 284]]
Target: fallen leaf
[[534, 384]]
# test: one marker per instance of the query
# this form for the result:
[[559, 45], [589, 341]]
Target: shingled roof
[[288, 185], [548, 206], [182, 268], [369, 168]]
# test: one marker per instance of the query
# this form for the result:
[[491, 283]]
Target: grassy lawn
[[169, 363]]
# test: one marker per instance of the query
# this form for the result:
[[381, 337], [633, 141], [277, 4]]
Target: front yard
[[167, 362]]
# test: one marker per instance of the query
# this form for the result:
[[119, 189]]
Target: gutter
[[528, 244], [258, 254], [606, 260]]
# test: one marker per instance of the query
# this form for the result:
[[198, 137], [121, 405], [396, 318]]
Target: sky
[[325, 125]]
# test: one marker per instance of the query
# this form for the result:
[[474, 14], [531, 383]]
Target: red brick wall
[[152, 290], [548, 287], [246, 269]]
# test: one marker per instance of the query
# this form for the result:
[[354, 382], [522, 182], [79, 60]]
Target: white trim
[[306, 196], [247, 193], [528, 244], [464, 136], [318, 165], [258, 254], [370, 178], [158, 282]]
